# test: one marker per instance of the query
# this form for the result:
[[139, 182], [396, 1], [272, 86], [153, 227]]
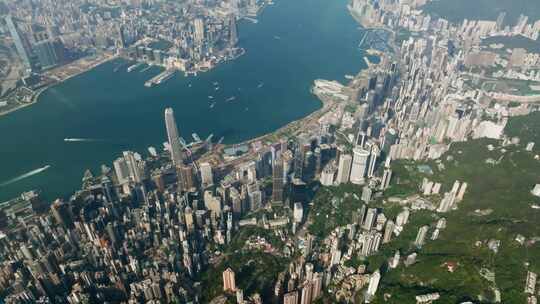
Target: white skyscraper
[[173, 137], [359, 165], [344, 169], [373, 285]]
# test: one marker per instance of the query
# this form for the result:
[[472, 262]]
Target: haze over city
[[269, 151]]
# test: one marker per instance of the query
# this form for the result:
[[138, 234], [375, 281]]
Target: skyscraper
[[373, 285], [277, 181], [359, 165], [198, 30], [233, 38], [173, 137], [22, 48], [291, 298], [229, 283], [344, 169]]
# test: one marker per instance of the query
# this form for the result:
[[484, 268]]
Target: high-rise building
[[21, 45], [233, 37], [49, 53], [198, 30], [388, 230], [229, 283], [373, 285], [371, 215], [359, 166], [291, 298], [277, 181], [173, 137], [62, 213], [421, 236], [207, 177], [307, 293], [344, 169], [387, 176], [317, 285]]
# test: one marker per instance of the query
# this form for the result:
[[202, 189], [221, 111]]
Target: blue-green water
[[294, 43]]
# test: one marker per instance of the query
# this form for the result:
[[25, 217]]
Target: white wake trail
[[26, 175]]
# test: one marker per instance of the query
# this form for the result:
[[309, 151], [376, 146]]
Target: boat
[[216, 88], [215, 83], [189, 85], [277, 37], [350, 77], [232, 98], [212, 105], [133, 67], [210, 97], [260, 85]]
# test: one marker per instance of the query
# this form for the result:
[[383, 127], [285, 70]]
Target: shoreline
[[58, 80]]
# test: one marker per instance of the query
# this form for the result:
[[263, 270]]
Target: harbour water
[[294, 43]]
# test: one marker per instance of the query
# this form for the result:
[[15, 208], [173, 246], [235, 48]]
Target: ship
[[133, 67]]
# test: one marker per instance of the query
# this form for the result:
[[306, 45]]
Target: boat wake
[[82, 139], [26, 175]]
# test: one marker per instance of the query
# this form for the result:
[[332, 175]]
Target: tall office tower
[[277, 181], [207, 177], [421, 236], [291, 298], [198, 30], [233, 36], [186, 177], [229, 283], [359, 165], [298, 163], [173, 137], [373, 285], [344, 169], [22, 47]]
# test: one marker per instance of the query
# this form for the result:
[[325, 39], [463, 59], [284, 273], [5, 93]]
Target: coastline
[[103, 58]]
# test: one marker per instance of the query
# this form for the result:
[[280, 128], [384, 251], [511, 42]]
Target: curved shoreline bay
[[294, 43]]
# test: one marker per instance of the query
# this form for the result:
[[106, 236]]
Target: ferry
[[133, 67]]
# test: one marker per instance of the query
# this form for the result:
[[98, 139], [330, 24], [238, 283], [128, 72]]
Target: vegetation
[[502, 190]]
